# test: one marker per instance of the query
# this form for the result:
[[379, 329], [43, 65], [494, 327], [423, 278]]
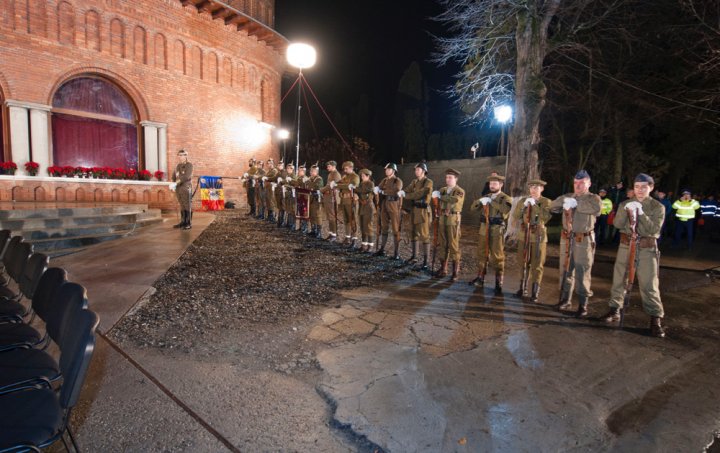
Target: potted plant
[[131, 173], [107, 173], [8, 168], [159, 175], [55, 171], [32, 168], [96, 172], [68, 171], [145, 175], [118, 173]]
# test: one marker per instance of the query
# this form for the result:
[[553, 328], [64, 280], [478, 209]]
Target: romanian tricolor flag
[[211, 193]]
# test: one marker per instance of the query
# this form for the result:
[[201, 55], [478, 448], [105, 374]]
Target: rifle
[[526, 254], [436, 226], [568, 214], [486, 211], [379, 221], [353, 224], [632, 263]]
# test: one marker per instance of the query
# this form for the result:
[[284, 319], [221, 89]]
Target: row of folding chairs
[[40, 307]]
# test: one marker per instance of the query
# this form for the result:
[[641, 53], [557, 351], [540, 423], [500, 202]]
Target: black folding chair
[[15, 260], [4, 240], [33, 415], [15, 311]]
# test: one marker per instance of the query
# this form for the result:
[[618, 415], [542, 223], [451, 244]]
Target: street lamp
[[503, 115], [301, 56], [283, 134]]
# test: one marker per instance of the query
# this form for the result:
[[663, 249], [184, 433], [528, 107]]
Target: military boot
[[188, 221], [455, 271], [612, 316], [182, 220], [318, 232], [522, 292], [426, 253], [656, 328], [332, 237], [280, 217], [582, 308], [498, 283], [442, 272], [535, 293], [413, 257], [261, 216], [381, 245], [478, 281], [564, 304], [396, 251]]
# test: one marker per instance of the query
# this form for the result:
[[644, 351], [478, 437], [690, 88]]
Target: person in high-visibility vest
[[605, 210], [708, 210], [685, 209]]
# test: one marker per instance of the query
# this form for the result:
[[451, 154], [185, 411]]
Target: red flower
[[145, 175], [159, 175]]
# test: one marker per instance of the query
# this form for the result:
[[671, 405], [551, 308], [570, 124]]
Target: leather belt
[[420, 204], [578, 236], [449, 213], [391, 198], [494, 221], [646, 242], [346, 195]]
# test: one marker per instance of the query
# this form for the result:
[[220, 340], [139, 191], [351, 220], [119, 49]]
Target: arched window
[[94, 123], [2, 127]]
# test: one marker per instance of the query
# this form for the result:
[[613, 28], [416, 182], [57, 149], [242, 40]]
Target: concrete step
[[51, 223], [73, 211]]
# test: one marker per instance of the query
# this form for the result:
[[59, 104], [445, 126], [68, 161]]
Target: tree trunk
[[617, 143]]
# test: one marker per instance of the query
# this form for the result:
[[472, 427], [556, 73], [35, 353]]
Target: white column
[[151, 147], [40, 138], [19, 136], [162, 149]]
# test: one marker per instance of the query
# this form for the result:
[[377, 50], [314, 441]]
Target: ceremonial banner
[[211, 193], [302, 203]]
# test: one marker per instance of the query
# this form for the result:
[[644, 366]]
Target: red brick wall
[[201, 77]]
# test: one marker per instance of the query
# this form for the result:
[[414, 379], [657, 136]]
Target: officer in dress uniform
[[315, 183], [498, 204], [348, 201], [419, 193], [269, 185], [249, 185], [182, 177], [366, 210], [329, 196], [451, 198], [580, 209], [650, 215], [390, 208], [538, 208]]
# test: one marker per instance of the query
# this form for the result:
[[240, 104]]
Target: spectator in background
[[663, 199], [602, 220], [685, 209], [708, 210]]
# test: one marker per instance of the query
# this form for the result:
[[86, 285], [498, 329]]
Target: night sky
[[364, 48]]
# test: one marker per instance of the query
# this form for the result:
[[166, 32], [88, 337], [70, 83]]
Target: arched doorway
[[2, 127], [94, 124]]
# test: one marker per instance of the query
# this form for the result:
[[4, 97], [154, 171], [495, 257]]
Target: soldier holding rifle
[[366, 210], [451, 199], [277, 186], [269, 182], [390, 208], [329, 197], [315, 183], [648, 214], [534, 214], [248, 180], [419, 192]]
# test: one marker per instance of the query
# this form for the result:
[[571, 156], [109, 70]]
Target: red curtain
[[94, 95], [87, 142]]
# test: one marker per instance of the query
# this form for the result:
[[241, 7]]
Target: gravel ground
[[243, 272]]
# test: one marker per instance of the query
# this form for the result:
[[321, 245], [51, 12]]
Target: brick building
[[126, 83]]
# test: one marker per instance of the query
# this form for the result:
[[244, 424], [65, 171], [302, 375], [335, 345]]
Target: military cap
[[331, 162], [316, 165], [536, 182], [182, 152], [302, 165], [391, 166], [643, 177], [582, 174], [451, 171], [348, 163], [291, 164], [271, 160], [422, 165], [282, 162], [365, 171], [496, 178]]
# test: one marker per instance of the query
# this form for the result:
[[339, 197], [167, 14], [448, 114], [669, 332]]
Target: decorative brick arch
[[132, 196], [60, 194], [115, 195], [80, 194], [20, 193], [146, 196], [98, 195], [39, 193], [141, 106], [160, 196]]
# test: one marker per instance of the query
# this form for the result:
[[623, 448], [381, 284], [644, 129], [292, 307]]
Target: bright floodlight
[[503, 113], [283, 134], [301, 55]]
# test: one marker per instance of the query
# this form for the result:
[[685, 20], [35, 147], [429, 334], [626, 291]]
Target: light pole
[[503, 115], [301, 56], [284, 135]]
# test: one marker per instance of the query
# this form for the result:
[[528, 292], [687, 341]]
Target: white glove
[[635, 206], [293, 193], [333, 184], [273, 185], [280, 180], [288, 178], [436, 194], [264, 178], [246, 175], [351, 186], [401, 193], [485, 200], [173, 186], [306, 179], [376, 189], [529, 201], [569, 203]]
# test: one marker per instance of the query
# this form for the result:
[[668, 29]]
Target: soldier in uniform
[[249, 185], [347, 184], [269, 185], [390, 208], [452, 198], [650, 215], [419, 192], [288, 196], [366, 209], [539, 210], [277, 188], [260, 189], [182, 177], [329, 196], [315, 183], [300, 183], [582, 208], [498, 209]]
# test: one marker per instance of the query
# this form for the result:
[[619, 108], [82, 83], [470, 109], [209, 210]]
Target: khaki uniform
[[583, 240], [289, 200], [648, 228], [315, 183], [366, 211], [249, 185], [348, 203], [329, 197], [419, 192], [260, 190], [270, 200], [390, 205], [451, 205], [539, 216], [183, 177], [279, 198], [498, 213]]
